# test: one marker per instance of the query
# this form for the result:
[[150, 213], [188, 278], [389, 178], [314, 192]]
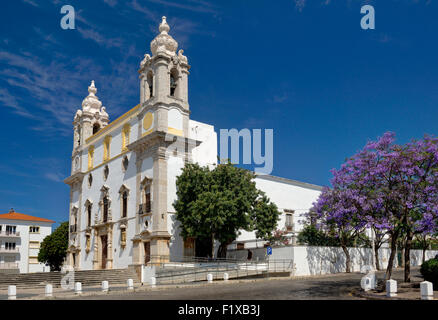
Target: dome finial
[[92, 89], [164, 27]]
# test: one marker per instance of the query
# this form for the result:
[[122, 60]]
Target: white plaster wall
[[286, 194], [206, 152], [310, 260], [175, 119]]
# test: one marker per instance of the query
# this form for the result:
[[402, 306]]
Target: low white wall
[[310, 260]]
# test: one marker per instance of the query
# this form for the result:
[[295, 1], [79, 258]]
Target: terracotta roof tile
[[12, 215]]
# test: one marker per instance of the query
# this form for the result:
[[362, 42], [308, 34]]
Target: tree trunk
[[394, 237], [376, 255], [222, 251], [347, 259], [424, 254], [408, 256]]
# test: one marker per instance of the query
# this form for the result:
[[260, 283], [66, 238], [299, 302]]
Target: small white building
[[20, 239]]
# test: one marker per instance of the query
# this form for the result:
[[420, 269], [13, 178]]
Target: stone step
[[86, 277]]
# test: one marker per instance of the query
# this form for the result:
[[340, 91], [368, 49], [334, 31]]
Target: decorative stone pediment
[[123, 188], [146, 180]]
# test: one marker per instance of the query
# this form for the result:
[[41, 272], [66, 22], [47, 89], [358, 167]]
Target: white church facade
[[123, 174]]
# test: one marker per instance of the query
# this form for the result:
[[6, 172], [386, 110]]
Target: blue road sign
[[269, 250]]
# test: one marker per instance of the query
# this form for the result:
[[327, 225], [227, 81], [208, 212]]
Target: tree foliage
[[53, 249], [219, 202], [391, 188]]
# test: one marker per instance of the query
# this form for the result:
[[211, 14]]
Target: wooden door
[[147, 252], [104, 250]]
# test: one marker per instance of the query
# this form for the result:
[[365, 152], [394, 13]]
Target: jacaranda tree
[[388, 187]]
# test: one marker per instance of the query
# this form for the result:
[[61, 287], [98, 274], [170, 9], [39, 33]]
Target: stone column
[[160, 236], [109, 264], [96, 250], [162, 78]]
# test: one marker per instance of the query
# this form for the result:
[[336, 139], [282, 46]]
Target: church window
[[125, 136], [79, 135], [125, 163], [105, 209], [124, 204], [105, 173], [90, 180], [89, 215], [96, 128], [147, 198], [173, 82], [90, 157], [150, 80]]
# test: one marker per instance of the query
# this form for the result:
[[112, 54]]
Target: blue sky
[[304, 68]]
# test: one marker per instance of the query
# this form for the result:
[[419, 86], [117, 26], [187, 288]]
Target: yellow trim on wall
[[174, 131], [106, 161], [148, 121], [107, 148], [90, 157], [125, 136], [112, 124]]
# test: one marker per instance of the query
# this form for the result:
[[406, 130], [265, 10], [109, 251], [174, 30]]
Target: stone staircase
[[86, 277]]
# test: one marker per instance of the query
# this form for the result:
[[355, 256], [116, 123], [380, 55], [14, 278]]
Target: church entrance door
[[104, 240], [147, 252]]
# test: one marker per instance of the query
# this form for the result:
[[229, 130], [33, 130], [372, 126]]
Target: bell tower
[[87, 121], [163, 121]]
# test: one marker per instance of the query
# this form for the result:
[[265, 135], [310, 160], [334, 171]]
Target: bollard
[[209, 278], [153, 282], [391, 288], [49, 290], [78, 288], [426, 290], [105, 286], [226, 276], [12, 292], [130, 284]]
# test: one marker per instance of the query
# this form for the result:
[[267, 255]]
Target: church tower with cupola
[[87, 121], [163, 130]]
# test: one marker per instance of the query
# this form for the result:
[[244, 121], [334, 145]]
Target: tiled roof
[[12, 215]]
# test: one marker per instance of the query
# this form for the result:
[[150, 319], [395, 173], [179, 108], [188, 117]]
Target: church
[[123, 173]]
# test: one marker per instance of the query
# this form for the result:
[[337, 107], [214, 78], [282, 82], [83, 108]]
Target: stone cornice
[[77, 177]]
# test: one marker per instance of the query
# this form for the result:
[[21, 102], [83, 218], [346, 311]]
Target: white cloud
[[300, 4], [31, 2]]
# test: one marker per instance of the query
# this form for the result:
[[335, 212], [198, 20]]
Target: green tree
[[54, 248], [218, 203]]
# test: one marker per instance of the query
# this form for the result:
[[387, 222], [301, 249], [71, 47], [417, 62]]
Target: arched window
[[173, 82], [96, 128], [79, 135], [89, 215], [147, 198], [90, 180], [105, 209], [125, 163], [150, 80], [124, 204], [105, 173]]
